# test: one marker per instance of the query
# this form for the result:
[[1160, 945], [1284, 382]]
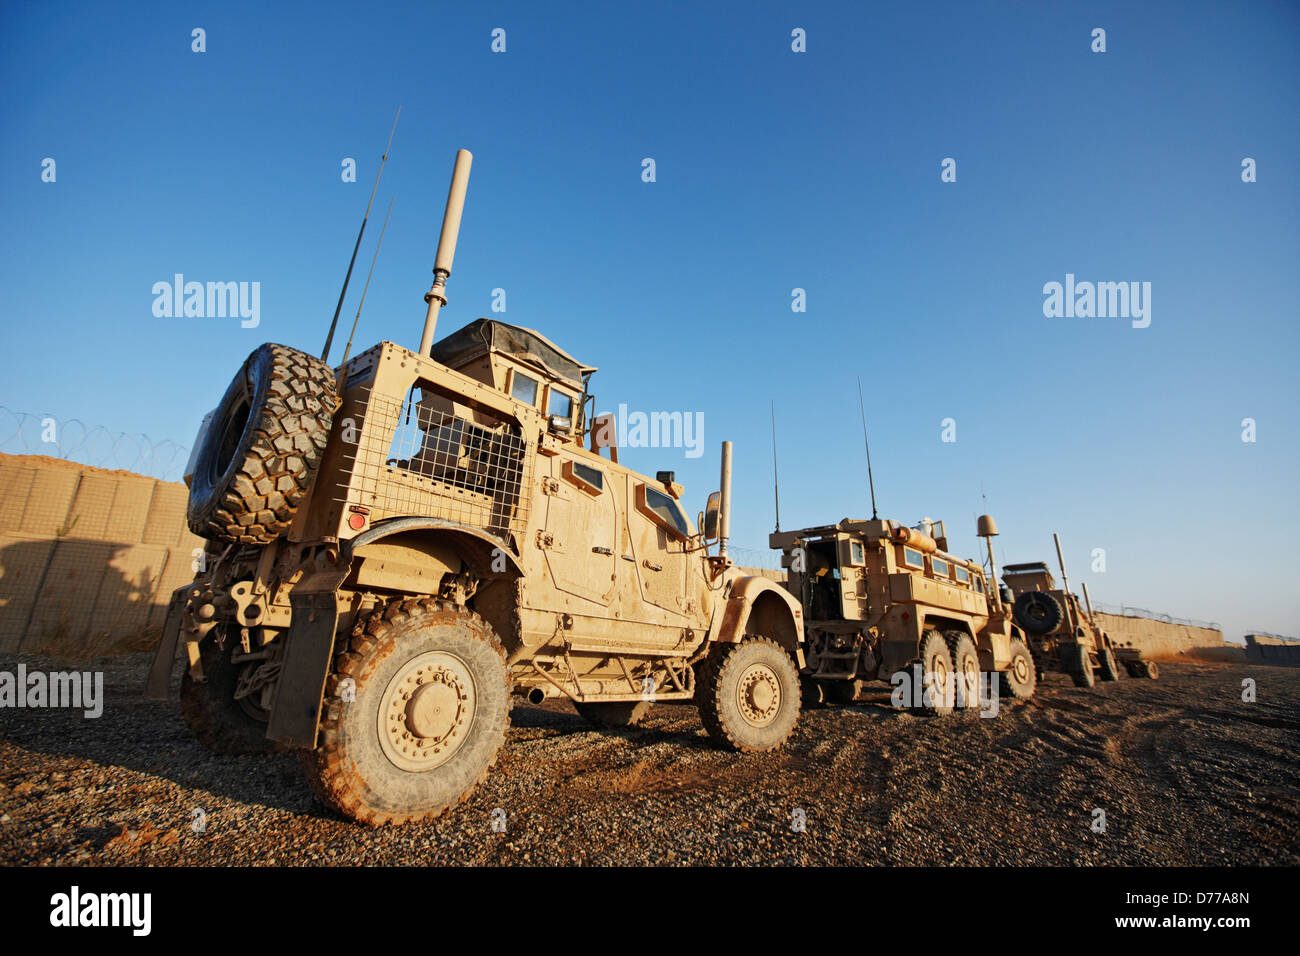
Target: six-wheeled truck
[[396, 546], [880, 599], [1064, 635]]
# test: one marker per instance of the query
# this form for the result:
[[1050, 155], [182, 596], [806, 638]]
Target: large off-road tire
[[613, 713], [1038, 612], [427, 712], [1020, 679], [749, 695], [965, 668], [259, 455], [936, 675], [1151, 670], [221, 723], [1077, 662], [1108, 669]]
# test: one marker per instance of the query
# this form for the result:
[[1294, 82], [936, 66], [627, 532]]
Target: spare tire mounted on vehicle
[[1038, 612], [259, 455]]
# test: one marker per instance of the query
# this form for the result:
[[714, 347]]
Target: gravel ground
[[1185, 771]]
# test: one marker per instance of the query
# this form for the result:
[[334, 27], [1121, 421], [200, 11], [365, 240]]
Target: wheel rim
[[758, 695], [426, 711], [938, 680], [1020, 669]]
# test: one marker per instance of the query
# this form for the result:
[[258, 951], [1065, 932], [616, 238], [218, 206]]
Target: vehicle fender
[[757, 605], [483, 552]]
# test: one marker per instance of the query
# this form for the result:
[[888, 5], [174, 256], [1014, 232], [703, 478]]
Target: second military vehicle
[[879, 597]]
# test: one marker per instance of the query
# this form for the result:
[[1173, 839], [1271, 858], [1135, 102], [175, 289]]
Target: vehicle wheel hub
[[759, 695], [427, 709], [1020, 668]]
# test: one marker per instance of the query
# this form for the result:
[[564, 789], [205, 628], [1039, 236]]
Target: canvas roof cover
[[483, 335]]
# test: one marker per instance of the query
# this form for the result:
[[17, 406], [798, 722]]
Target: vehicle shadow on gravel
[[150, 737], [556, 716]]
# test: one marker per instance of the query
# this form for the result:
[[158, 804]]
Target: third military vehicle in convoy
[[880, 598], [396, 545], [1064, 635]]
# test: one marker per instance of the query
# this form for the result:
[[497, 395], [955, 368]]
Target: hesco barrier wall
[[778, 576], [1162, 639], [88, 557], [1272, 649]]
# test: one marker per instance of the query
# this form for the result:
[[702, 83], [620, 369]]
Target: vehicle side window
[[663, 511], [523, 388], [559, 404], [589, 479]]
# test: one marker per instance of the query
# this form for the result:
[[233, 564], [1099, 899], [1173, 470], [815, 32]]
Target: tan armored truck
[[398, 545], [880, 598], [1063, 635]]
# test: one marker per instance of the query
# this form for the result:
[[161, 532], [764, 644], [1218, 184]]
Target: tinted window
[[592, 476], [940, 568], [523, 388], [667, 509], [963, 575], [913, 557], [856, 555]]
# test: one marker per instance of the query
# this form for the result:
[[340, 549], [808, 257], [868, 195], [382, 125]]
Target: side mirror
[[709, 526]]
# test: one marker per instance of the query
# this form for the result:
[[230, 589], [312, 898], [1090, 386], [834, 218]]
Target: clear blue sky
[[775, 170]]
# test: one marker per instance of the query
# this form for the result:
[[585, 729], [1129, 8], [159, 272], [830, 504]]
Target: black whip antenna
[[871, 482], [329, 339], [366, 288], [776, 481]]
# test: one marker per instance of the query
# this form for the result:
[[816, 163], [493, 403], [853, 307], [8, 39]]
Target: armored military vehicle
[[1063, 635], [879, 597], [397, 545]]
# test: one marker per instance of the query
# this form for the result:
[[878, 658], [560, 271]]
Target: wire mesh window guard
[[413, 459]]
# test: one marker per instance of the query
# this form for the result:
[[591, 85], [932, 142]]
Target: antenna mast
[[870, 480], [366, 288], [776, 481], [329, 339]]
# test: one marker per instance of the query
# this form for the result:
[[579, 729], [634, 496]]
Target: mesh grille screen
[[413, 460]]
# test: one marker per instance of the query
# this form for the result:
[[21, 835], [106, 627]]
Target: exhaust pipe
[[436, 297], [536, 695], [1065, 583], [724, 506]]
